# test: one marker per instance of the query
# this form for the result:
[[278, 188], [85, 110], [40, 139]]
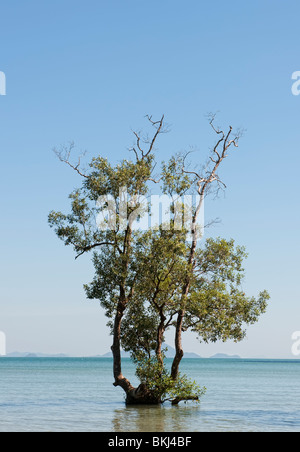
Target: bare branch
[[217, 156], [138, 141], [64, 156], [184, 170], [138, 149], [136, 153], [159, 125], [212, 223], [154, 123], [212, 117], [155, 181]]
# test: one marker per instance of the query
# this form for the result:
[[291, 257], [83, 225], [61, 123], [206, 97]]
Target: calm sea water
[[78, 395]]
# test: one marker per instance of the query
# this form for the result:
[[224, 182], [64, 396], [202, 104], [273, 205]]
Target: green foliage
[[158, 380], [218, 308], [139, 330], [175, 181]]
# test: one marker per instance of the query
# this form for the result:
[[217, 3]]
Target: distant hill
[[34, 355], [169, 354], [224, 356]]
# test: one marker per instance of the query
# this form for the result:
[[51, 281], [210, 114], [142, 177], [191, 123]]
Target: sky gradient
[[88, 72]]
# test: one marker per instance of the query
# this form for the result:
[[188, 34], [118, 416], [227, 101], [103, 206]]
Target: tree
[[151, 281]]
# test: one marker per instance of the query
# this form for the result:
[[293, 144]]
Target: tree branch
[[95, 245], [138, 148], [159, 125], [64, 156]]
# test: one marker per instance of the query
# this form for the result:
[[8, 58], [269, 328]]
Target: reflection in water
[[155, 418]]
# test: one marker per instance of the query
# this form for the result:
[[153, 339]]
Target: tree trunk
[[134, 396], [178, 346], [191, 262], [142, 396], [120, 380], [160, 338]]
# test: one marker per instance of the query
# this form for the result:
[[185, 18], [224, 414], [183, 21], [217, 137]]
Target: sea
[[77, 395]]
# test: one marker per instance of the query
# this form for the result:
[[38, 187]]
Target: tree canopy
[[162, 278]]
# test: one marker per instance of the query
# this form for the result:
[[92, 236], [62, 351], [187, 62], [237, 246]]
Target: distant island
[[33, 355], [169, 354]]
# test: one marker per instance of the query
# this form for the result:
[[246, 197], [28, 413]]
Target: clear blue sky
[[89, 71]]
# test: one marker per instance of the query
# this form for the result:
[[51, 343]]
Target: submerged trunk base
[[142, 396]]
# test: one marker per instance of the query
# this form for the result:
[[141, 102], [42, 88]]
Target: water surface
[[78, 395]]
